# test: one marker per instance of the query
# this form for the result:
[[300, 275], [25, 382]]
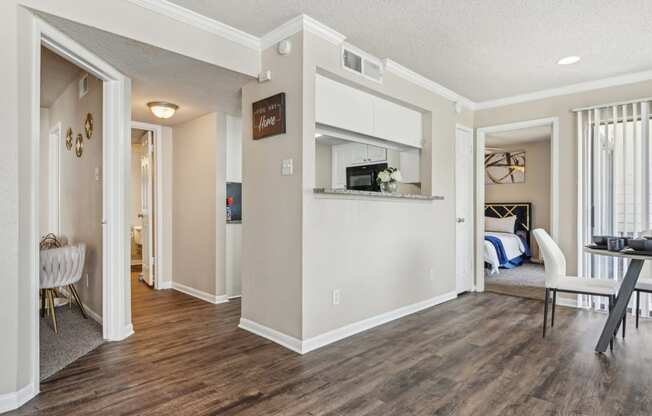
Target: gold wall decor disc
[[79, 145], [69, 139], [88, 125]]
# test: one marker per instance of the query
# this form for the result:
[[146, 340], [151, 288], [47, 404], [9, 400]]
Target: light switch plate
[[287, 167]]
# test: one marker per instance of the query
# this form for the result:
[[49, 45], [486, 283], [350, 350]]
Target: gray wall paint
[[198, 183], [271, 239]]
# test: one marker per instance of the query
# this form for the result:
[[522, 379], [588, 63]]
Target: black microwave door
[[363, 178]]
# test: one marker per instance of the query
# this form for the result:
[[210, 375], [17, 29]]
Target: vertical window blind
[[614, 168]]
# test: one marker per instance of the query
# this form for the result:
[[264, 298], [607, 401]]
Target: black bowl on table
[[601, 240], [640, 244]]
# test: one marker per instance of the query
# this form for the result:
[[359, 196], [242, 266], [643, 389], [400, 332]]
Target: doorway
[[511, 203]]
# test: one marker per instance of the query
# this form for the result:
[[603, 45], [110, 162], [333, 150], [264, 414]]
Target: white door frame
[[116, 305], [160, 149], [472, 200], [481, 134]]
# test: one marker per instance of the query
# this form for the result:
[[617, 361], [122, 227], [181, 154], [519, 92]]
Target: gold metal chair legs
[[48, 300], [78, 301], [47, 304]]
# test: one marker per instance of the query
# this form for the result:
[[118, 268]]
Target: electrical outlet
[[337, 296], [86, 279]]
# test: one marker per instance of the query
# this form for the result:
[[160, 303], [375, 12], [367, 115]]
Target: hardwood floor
[[480, 354]]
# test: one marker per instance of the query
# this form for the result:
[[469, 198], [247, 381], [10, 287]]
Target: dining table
[[618, 311]]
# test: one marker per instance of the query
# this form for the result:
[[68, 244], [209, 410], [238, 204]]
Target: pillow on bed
[[500, 225]]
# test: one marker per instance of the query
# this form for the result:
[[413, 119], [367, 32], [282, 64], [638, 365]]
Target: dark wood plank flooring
[[481, 354]]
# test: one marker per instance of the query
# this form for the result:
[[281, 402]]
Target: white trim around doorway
[[162, 177], [116, 305], [481, 134]]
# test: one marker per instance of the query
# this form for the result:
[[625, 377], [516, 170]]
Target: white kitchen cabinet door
[[343, 107], [376, 154], [397, 123], [410, 165], [357, 153]]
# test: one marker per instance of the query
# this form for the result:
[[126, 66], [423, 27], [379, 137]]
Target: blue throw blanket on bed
[[502, 256]]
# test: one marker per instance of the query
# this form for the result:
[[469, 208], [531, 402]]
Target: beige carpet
[[526, 281]]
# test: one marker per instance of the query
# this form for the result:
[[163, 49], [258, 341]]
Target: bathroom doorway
[[142, 210]]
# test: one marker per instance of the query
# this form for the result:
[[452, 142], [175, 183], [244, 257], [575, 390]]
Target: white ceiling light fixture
[[569, 60], [162, 109]]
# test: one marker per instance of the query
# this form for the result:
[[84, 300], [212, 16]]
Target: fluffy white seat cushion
[[61, 266], [584, 285]]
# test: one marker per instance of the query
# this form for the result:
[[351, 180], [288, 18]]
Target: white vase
[[389, 187]]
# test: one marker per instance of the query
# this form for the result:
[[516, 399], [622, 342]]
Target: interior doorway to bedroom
[[517, 183]]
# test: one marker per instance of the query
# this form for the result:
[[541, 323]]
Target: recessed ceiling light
[[569, 60], [161, 109]]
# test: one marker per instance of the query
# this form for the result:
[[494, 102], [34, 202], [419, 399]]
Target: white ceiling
[[56, 75], [483, 50], [159, 75], [520, 136]]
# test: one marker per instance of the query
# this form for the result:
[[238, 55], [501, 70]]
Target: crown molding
[[567, 90], [301, 23], [200, 21], [426, 83]]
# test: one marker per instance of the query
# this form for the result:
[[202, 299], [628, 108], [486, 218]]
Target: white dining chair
[[60, 267], [556, 279]]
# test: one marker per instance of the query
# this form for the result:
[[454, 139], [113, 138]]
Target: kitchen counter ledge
[[352, 193]]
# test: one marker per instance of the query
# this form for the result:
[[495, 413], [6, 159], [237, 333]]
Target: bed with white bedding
[[507, 234]]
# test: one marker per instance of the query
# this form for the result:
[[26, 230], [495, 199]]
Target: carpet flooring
[[526, 281], [77, 337]]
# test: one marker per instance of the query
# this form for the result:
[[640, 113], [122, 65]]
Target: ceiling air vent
[[360, 64]]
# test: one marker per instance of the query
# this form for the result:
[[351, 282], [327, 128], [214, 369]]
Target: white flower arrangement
[[389, 175]]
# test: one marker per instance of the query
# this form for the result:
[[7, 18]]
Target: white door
[[146, 211], [376, 154], [464, 210]]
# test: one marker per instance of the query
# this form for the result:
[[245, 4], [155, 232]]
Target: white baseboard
[[11, 401], [235, 296], [165, 285], [280, 338], [338, 334], [90, 312], [215, 299], [360, 326]]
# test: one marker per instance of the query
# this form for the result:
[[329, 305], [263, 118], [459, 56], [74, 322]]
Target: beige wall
[[271, 230], [43, 178], [381, 254], [561, 107], [199, 167], [16, 169], [535, 189], [80, 191]]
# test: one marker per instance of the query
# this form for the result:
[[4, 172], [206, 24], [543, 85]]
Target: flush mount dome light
[[161, 109], [569, 60]]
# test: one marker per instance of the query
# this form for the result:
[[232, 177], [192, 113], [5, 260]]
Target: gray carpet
[[77, 337], [528, 274]]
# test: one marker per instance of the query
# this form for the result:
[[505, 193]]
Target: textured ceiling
[[159, 75], [56, 75], [520, 136], [478, 48]]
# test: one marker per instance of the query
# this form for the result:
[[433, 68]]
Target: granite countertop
[[349, 192]]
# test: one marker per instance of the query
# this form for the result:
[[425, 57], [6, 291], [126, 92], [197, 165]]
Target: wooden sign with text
[[269, 116]]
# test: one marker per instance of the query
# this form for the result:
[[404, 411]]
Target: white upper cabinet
[[397, 123], [347, 108], [341, 106]]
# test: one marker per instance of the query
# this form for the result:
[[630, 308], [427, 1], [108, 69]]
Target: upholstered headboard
[[522, 211]]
